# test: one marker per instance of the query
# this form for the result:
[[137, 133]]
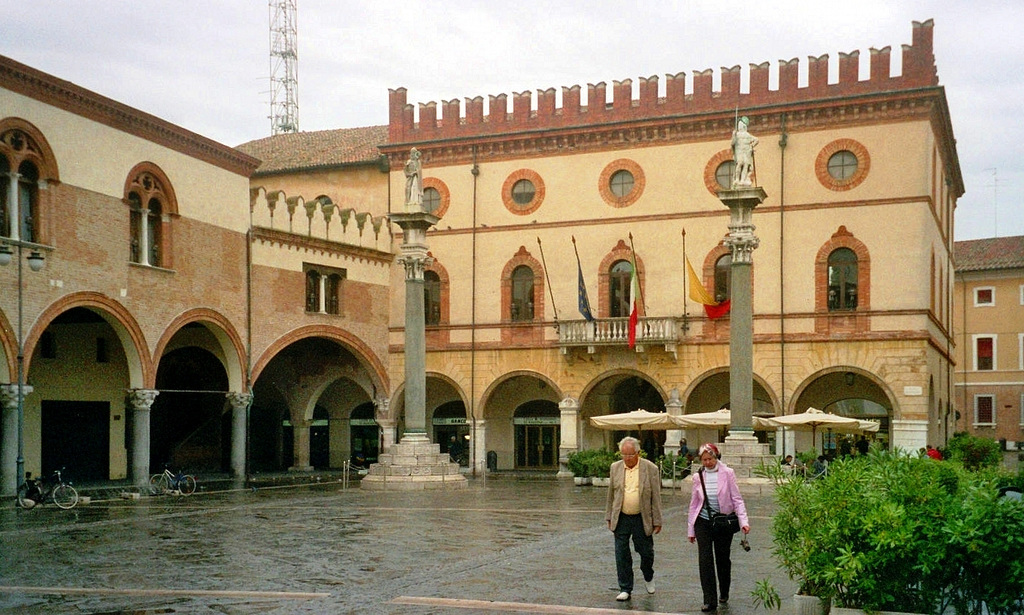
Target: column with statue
[[414, 462]]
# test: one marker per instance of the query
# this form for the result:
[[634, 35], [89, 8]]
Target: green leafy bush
[[593, 462], [973, 452], [891, 531]]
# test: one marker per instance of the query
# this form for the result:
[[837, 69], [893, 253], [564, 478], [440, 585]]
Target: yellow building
[[988, 309], [851, 281]]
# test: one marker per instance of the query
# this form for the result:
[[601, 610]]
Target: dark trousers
[[713, 556], [632, 526]]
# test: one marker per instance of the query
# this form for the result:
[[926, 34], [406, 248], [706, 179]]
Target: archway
[[846, 392], [616, 394]]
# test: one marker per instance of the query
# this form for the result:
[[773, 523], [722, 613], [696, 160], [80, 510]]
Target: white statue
[[743, 144], [414, 181]]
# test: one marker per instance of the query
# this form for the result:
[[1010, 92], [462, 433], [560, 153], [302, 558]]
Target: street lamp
[[35, 263]]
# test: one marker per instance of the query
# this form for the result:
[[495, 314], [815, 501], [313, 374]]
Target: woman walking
[[714, 491]]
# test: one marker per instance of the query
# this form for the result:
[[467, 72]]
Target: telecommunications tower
[[284, 67]]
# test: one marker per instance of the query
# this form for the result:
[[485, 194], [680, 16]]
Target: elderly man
[[633, 510]]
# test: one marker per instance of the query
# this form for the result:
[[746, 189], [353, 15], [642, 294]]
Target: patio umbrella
[[813, 418], [718, 418], [640, 420]]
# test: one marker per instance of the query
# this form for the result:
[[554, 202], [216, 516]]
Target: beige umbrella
[[640, 420], [718, 418], [813, 418]]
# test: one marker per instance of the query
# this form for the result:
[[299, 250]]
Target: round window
[[842, 165], [523, 192], [724, 173], [431, 199], [621, 183]]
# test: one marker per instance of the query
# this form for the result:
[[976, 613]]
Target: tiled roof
[[989, 254], [322, 148]]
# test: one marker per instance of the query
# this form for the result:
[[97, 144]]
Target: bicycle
[[37, 491], [169, 482]]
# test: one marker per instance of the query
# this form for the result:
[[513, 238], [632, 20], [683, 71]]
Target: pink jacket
[[729, 498]]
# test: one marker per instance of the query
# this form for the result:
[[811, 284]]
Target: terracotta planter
[[809, 605]]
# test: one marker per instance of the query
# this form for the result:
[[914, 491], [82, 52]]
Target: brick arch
[[149, 181], [438, 335], [37, 151], [522, 332], [142, 374], [709, 170], [620, 374], [538, 196], [378, 371], [620, 252], [225, 333], [505, 377], [166, 187], [837, 322]]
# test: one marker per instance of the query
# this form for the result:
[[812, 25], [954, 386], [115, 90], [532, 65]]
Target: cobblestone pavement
[[500, 546]]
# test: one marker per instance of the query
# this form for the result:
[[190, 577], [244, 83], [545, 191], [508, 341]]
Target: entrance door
[[537, 446], [76, 436]]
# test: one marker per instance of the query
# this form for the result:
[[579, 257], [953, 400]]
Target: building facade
[[240, 310], [988, 320]]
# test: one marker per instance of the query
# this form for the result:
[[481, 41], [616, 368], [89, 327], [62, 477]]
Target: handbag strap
[[707, 503]]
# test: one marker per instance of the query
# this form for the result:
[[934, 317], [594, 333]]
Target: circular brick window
[[523, 192], [622, 182], [842, 165]]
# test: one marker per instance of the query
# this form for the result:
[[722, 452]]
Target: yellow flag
[[697, 290]]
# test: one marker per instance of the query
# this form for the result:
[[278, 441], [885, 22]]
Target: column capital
[[238, 400], [570, 404], [9, 394], [142, 399]]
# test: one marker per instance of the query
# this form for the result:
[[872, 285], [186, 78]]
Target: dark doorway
[[320, 439], [76, 436], [537, 434], [187, 429], [365, 435]]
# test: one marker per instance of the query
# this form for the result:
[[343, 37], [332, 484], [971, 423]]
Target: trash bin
[[492, 461]]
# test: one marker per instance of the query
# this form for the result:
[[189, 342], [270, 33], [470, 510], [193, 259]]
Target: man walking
[[633, 511]]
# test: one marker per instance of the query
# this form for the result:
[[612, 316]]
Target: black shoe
[[709, 608], [723, 600]]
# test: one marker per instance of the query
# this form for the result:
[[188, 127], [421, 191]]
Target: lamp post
[[35, 263]]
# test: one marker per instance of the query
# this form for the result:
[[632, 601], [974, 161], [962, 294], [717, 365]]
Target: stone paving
[[496, 546]]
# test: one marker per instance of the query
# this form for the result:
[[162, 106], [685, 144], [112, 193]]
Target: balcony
[[615, 332]]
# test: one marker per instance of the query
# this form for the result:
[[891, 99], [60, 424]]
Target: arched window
[[28, 200], [27, 167], [723, 278], [522, 294], [5, 182], [842, 280], [431, 298], [312, 290], [618, 288], [151, 203]]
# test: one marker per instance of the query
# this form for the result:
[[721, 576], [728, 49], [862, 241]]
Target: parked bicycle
[[169, 482], [36, 491]]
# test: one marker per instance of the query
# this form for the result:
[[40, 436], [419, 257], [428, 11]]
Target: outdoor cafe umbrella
[[718, 418], [640, 420], [813, 418]]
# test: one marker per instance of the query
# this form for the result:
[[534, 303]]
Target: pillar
[[13, 209], [9, 445], [569, 433], [300, 447], [478, 440], [674, 407], [239, 427], [140, 401]]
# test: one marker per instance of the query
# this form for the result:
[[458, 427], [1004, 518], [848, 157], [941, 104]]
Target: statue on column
[[414, 181], [743, 144]]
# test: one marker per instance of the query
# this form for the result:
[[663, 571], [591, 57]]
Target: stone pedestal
[[413, 467], [744, 455]]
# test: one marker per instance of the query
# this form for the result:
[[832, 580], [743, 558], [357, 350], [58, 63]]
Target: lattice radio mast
[[284, 67]]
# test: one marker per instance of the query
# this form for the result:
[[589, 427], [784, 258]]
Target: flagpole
[[685, 276], [547, 277], [639, 286]]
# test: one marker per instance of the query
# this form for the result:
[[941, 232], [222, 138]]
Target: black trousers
[[713, 556], [627, 527]]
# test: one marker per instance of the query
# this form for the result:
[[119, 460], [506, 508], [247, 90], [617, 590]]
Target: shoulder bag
[[721, 525]]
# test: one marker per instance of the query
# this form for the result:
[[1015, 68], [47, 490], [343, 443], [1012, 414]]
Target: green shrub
[[593, 462], [891, 531], [973, 452]]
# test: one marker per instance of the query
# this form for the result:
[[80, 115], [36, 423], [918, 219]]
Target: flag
[[584, 302], [634, 304], [699, 294]]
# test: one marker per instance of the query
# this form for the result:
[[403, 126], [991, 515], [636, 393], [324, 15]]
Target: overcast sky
[[205, 64]]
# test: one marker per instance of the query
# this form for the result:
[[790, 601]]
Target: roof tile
[[989, 254], [321, 148]]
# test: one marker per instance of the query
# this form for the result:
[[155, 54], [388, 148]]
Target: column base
[[413, 466]]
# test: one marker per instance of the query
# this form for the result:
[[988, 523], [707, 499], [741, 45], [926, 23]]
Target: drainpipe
[[783, 139], [475, 170]]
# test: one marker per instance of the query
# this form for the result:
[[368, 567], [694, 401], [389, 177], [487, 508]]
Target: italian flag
[[634, 304]]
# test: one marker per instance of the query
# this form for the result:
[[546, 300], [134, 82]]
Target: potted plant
[[576, 463]]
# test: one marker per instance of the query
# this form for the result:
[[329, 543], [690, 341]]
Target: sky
[[205, 64]]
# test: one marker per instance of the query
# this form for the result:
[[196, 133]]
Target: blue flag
[[584, 301]]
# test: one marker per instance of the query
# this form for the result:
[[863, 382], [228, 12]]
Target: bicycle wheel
[[187, 484], [23, 500], [158, 484], [65, 496]]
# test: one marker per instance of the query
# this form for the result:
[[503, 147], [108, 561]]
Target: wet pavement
[[499, 546]]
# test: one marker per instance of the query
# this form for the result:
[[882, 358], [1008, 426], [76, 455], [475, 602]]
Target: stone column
[[300, 447], [478, 439], [569, 432], [140, 400], [9, 446], [239, 427], [13, 210], [674, 407]]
